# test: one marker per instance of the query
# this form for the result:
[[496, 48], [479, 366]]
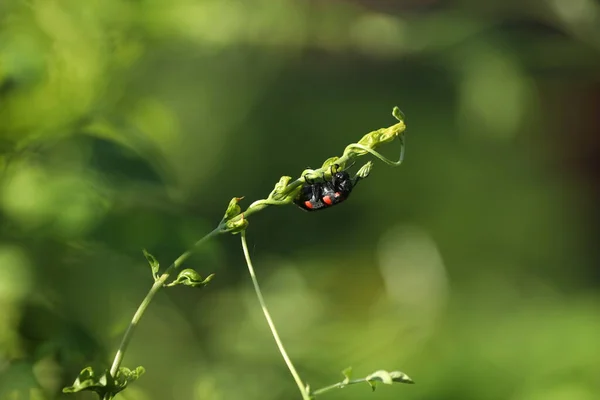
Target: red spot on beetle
[[337, 194], [327, 200], [308, 204]]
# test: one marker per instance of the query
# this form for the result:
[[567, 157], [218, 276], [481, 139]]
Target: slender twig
[[153, 290], [305, 395], [339, 385]]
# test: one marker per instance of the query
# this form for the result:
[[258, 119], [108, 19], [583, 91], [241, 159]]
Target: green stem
[[378, 155], [286, 358], [339, 385], [158, 284], [318, 392]]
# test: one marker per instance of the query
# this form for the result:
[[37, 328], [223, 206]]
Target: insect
[[319, 195]]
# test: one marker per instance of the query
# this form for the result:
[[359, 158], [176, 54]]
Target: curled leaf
[[189, 277], [381, 136], [372, 379], [331, 161], [310, 174], [347, 375], [154, 265], [103, 383], [365, 170], [233, 209], [398, 114], [125, 376], [278, 192], [387, 377], [236, 225], [88, 380], [400, 377]]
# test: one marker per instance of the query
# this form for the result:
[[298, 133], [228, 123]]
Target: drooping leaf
[[154, 265], [189, 277], [387, 377]]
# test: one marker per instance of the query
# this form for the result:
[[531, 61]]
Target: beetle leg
[[316, 189]]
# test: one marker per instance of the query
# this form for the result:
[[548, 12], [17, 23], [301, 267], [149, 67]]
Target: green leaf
[[381, 136], [277, 192], [125, 376], [387, 377], [85, 380], [236, 225], [233, 221], [233, 209], [331, 161], [401, 377], [377, 376], [398, 114], [282, 184], [365, 170], [347, 375], [153, 263], [189, 277], [104, 383]]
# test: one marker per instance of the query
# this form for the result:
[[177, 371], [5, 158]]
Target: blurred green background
[[130, 124]]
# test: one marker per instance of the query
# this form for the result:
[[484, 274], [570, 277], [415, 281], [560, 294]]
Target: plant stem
[[158, 284], [339, 385], [286, 358], [318, 392]]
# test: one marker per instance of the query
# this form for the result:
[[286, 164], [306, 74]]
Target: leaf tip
[[398, 114]]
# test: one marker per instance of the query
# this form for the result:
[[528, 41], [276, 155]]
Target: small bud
[[236, 224], [233, 209], [398, 114], [347, 375], [277, 192], [364, 171]]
